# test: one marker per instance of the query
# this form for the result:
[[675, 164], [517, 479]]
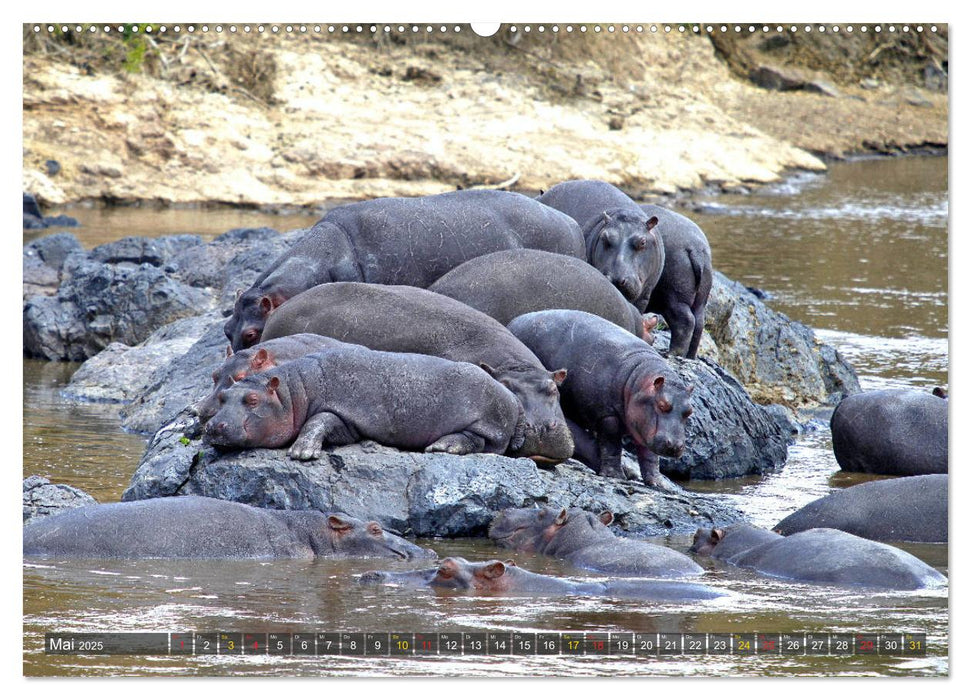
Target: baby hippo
[[616, 385], [585, 541], [195, 527], [344, 395], [497, 577], [256, 359], [819, 555]]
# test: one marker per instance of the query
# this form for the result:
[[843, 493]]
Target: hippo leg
[[610, 463], [320, 429], [585, 447], [650, 470], [682, 322], [458, 444]]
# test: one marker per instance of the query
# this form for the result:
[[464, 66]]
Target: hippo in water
[[406, 319], [902, 432], [195, 527], [505, 578], [510, 283], [616, 385], [584, 540], [820, 555], [256, 359], [407, 241], [345, 395], [906, 509], [621, 240]]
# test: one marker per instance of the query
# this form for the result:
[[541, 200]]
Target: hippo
[[584, 540], [406, 319], [902, 432], [510, 283], [905, 509], [256, 359], [195, 527], [407, 241], [620, 239], [616, 385], [344, 395], [819, 555], [681, 294], [504, 577]]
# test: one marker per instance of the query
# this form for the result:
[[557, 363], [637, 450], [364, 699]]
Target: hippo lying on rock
[[585, 541], [194, 527], [497, 577], [902, 432], [906, 509], [820, 555], [256, 359], [621, 240], [616, 385], [510, 283], [406, 319], [345, 395], [408, 241]]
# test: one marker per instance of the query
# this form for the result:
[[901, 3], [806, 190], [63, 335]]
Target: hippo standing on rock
[[621, 240], [820, 555], [906, 509], [408, 241], [585, 541], [510, 283], [345, 395], [616, 385], [406, 319], [195, 527], [902, 432], [256, 359], [498, 577]]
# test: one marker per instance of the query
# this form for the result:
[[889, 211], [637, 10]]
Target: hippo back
[[585, 201]]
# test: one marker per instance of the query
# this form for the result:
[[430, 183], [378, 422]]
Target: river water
[[858, 253]]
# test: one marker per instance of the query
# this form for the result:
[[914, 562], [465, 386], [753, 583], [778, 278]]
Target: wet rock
[[99, 303], [421, 494], [183, 379], [53, 250], [42, 498], [144, 251], [31, 208], [33, 219], [776, 359]]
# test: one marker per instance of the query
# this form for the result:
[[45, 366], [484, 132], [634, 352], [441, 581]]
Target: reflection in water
[[859, 254]]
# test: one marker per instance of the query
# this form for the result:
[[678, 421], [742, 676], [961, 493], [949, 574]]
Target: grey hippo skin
[[510, 283], [406, 319], [621, 240], [820, 555], [906, 509], [505, 578], [259, 358], [194, 527], [902, 432], [345, 395], [681, 294], [410, 241], [616, 385], [584, 540]]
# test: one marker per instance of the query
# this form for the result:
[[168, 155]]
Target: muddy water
[[860, 254]]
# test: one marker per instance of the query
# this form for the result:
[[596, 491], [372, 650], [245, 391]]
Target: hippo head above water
[[625, 246], [251, 414], [355, 538], [453, 573], [545, 530], [237, 367], [245, 327], [546, 436], [705, 540], [656, 410]]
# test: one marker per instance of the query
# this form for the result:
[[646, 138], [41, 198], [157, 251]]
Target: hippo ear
[[562, 517], [559, 376], [266, 305], [606, 218], [260, 360], [336, 522], [651, 223], [650, 321], [940, 392], [374, 529], [494, 570], [239, 293], [273, 385], [658, 384], [716, 535], [509, 562], [606, 517], [229, 351], [488, 369]]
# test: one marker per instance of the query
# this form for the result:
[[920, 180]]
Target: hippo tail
[[701, 268]]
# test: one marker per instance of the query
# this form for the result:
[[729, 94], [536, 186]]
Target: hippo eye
[[639, 242], [552, 389], [664, 406], [252, 400]]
